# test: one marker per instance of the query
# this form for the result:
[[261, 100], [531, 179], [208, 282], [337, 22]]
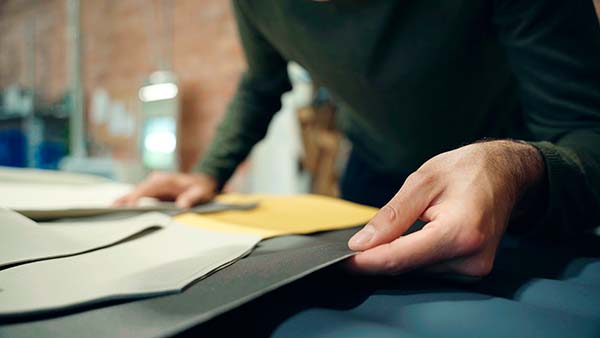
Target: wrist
[[208, 181], [525, 162], [522, 172]]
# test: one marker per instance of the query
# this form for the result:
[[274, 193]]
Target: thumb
[[192, 196], [398, 214]]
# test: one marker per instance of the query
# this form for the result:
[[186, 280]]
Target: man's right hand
[[185, 189]]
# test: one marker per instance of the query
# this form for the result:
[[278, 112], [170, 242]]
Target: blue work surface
[[535, 290]]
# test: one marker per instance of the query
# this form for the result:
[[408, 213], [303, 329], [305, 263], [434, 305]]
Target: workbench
[[536, 289]]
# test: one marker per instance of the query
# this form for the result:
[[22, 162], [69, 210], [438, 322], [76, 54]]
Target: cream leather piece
[[162, 262], [24, 240]]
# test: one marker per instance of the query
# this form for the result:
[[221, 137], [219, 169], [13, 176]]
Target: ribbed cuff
[[561, 180]]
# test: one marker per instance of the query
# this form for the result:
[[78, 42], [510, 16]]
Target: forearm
[[244, 124], [554, 186]]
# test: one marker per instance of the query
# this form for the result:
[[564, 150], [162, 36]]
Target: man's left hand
[[465, 196]]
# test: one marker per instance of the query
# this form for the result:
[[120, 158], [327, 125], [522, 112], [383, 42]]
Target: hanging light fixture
[[157, 92], [159, 95], [159, 98]]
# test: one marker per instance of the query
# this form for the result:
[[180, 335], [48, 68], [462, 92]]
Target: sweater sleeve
[[257, 99], [554, 49]]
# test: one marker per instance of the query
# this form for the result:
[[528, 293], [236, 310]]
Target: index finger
[[426, 246], [413, 198]]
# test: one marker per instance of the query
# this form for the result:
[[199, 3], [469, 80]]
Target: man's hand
[[466, 196], [186, 189]]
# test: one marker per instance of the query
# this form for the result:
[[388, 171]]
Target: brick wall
[[118, 53], [37, 23]]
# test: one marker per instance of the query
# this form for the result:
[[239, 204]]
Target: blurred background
[[121, 88]]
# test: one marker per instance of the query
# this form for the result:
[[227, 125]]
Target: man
[[513, 86]]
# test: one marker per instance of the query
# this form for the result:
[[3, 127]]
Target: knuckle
[[386, 215], [469, 242], [204, 196], [388, 264], [420, 178]]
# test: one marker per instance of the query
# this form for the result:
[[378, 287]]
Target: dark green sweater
[[415, 78]]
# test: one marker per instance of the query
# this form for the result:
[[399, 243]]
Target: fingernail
[[362, 238]]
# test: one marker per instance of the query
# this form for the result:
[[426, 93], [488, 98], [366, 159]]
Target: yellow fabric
[[278, 215]]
